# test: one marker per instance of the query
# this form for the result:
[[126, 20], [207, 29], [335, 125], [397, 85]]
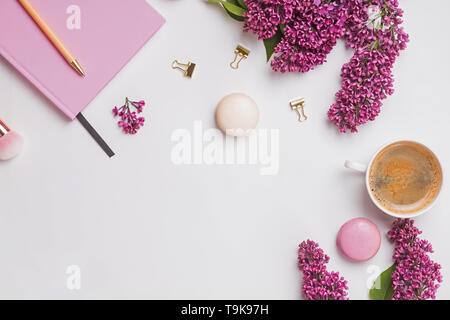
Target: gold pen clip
[[187, 68], [241, 53], [298, 106]]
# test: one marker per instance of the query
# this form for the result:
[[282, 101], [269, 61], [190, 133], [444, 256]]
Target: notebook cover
[[111, 33]]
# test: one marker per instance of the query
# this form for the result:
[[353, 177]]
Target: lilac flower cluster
[[416, 276], [309, 31], [318, 283], [129, 120], [367, 78]]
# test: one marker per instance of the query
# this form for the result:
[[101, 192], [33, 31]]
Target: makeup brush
[[11, 143]]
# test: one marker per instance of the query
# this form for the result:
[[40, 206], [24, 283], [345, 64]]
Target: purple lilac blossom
[[318, 283], [310, 29], [416, 276], [367, 79]]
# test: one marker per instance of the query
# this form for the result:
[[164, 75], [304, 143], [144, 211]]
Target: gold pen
[[51, 35]]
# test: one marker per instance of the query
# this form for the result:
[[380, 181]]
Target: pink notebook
[[110, 33]]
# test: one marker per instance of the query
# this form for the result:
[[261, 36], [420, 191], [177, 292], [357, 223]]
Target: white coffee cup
[[366, 169]]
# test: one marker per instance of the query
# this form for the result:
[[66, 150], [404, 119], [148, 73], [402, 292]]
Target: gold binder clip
[[240, 52], [187, 68], [299, 104]]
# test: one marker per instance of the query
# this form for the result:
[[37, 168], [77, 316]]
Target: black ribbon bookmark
[[94, 134]]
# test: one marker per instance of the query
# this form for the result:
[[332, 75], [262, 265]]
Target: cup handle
[[355, 166]]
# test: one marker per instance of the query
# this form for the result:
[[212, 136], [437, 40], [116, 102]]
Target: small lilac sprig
[[416, 276], [318, 283], [129, 121]]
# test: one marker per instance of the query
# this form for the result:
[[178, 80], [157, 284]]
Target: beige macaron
[[237, 114]]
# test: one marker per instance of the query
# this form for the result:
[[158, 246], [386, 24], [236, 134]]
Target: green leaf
[[271, 43], [234, 9], [235, 2], [382, 287], [235, 17], [230, 7], [239, 3], [242, 4]]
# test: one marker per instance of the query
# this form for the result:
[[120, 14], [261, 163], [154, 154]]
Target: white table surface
[[139, 226]]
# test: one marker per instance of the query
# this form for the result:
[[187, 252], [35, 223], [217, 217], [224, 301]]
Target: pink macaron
[[359, 239]]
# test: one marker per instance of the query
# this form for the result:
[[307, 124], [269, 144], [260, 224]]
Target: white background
[[141, 227]]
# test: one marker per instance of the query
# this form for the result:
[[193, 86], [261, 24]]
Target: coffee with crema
[[405, 177]]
